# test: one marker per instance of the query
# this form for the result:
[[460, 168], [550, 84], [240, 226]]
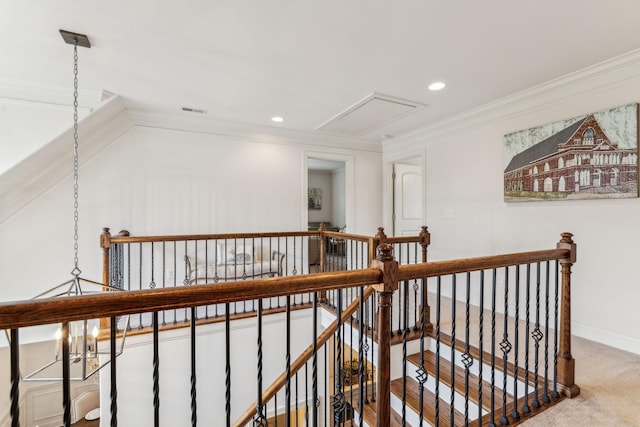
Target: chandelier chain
[[76, 270]]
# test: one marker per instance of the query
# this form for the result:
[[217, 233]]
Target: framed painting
[[315, 198], [588, 157]]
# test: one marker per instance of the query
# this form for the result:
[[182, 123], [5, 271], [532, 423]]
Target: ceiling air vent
[[194, 110], [370, 113]]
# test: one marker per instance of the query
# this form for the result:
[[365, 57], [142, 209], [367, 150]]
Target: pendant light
[[76, 343]]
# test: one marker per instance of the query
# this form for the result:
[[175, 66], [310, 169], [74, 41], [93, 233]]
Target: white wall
[[467, 216], [159, 181]]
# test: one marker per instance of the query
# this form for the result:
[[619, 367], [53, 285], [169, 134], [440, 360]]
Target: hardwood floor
[[85, 423]]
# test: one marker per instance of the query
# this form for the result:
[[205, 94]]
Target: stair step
[[428, 401], [445, 378], [370, 415]]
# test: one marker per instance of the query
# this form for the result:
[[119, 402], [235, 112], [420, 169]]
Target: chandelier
[[76, 343]]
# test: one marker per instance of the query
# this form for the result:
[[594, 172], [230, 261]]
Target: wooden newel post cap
[[425, 236], [380, 234], [566, 242], [384, 262], [105, 238], [384, 252]]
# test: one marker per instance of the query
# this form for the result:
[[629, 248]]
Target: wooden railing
[[383, 275]]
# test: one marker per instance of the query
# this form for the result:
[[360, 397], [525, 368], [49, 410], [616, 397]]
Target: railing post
[[566, 362], [425, 241], [389, 267], [105, 244]]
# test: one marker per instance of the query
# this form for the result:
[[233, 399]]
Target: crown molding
[[188, 122], [610, 72], [22, 92], [29, 179]]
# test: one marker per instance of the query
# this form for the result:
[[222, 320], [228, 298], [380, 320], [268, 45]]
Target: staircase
[[405, 391]]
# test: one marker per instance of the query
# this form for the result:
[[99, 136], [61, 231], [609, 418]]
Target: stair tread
[[370, 415], [445, 378], [428, 399]]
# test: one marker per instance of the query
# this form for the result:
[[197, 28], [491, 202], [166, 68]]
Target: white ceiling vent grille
[[370, 113]]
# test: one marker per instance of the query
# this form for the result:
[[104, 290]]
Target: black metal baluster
[[164, 277], [493, 349], [437, 379], [452, 398], [206, 272], [156, 371], [481, 347], [287, 387], [194, 403], [338, 397], [314, 362], [466, 357], [326, 385], [374, 388], [515, 414], [365, 347], [361, 367], [227, 370], [306, 394], [505, 347], [545, 396], [66, 375], [15, 378], [175, 276], [185, 282], [140, 324], [297, 399], [555, 339], [537, 336], [422, 372], [405, 286], [113, 371], [525, 407], [259, 419]]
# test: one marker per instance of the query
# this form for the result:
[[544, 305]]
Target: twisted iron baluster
[[156, 372], [259, 420], [437, 379], [545, 396], [505, 346], [481, 347], [537, 336], [338, 398], [287, 388], [452, 399], [227, 368], [194, 402], [361, 366], [422, 372], [466, 357], [525, 406], [515, 414], [114, 389], [15, 378], [404, 354], [314, 362], [493, 349]]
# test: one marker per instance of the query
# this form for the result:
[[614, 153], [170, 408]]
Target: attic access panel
[[372, 112]]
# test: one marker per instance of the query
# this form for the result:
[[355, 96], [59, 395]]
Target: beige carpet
[[609, 381]]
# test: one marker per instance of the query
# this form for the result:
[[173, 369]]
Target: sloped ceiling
[[305, 60]]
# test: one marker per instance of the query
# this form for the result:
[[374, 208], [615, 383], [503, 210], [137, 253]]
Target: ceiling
[[307, 61]]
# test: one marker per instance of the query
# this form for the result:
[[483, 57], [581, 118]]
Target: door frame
[[417, 158], [349, 183]]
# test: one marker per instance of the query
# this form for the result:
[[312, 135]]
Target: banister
[[54, 310], [439, 268], [297, 364]]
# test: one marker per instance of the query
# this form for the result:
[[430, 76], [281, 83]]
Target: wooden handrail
[[302, 359], [54, 310], [439, 268]]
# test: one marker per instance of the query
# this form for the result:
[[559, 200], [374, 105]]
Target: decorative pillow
[[230, 254]]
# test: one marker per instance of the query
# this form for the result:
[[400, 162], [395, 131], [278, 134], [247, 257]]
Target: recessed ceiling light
[[277, 119], [436, 86]]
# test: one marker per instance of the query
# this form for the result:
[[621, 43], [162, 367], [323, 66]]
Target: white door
[[407, 199]]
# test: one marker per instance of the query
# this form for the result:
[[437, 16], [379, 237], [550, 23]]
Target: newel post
[[425, 241], [389, 267], [566, 362]]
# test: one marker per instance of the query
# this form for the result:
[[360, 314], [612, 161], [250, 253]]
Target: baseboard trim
[[611, 339]]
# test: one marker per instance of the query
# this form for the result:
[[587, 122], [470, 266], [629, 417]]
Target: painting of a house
[[594, 156]]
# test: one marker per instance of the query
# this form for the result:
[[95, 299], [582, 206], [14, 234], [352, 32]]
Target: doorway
[[326, 188]]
